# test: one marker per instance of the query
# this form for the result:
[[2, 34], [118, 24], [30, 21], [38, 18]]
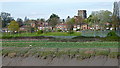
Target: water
[[95, 33], [65, 37]]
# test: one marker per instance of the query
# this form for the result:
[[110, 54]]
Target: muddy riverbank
[[62, 61]]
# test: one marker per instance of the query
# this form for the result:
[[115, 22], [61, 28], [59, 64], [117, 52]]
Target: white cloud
[[58, 1]]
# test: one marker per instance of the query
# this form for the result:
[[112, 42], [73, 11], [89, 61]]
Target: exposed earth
[[64, 61]]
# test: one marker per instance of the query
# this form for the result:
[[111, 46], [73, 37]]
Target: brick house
[[84, 26], [62, 26], [43, 26]]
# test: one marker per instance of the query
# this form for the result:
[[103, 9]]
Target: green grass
[[62, 44], [61, 34], [24, 41], [43, 34]]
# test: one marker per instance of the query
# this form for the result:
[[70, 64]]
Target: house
[[108, 26], [79, 23], [62, 26], [95, 27], [75, 27], [5, 30], [43, 26], [83, 26], [23, 28]]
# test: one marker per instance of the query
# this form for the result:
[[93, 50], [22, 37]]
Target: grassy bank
[[46, 44], [44, 53], [44, 49]]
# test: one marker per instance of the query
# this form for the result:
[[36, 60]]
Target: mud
[[63, 61]]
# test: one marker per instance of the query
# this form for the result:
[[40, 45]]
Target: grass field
[[47, 44], [43, 34]]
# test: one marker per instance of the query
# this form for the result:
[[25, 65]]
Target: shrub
[[111, 36], [59, 30], [78, 30], [112, 33], [39, 31], [7, 37]]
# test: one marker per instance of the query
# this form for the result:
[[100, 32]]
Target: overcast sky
[[44, 8]]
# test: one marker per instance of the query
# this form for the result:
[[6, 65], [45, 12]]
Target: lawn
[[43, 34]]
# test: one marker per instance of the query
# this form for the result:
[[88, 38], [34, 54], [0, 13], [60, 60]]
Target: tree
[[63, 20], [68, 19], [0, 22], [42, 20], [14, 26], [90, 20], [78, 20], [100, 17], [85, 20], [70, 24], [115, 22], [20, 22], [6, 19], [53, 20]]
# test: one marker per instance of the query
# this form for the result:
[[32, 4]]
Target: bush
[[59, 30], [7, 37], [78, 30], [112, 38], [39, 31], [112, 34]]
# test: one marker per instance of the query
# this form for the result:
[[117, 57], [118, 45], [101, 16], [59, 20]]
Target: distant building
[[76, 27], [82, 13], [23, 28], [84, 26], [108, 25], [62, 26], [43, 26], [116, 9]]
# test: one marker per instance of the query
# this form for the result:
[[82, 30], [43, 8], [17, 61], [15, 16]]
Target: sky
[[44, 8]]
